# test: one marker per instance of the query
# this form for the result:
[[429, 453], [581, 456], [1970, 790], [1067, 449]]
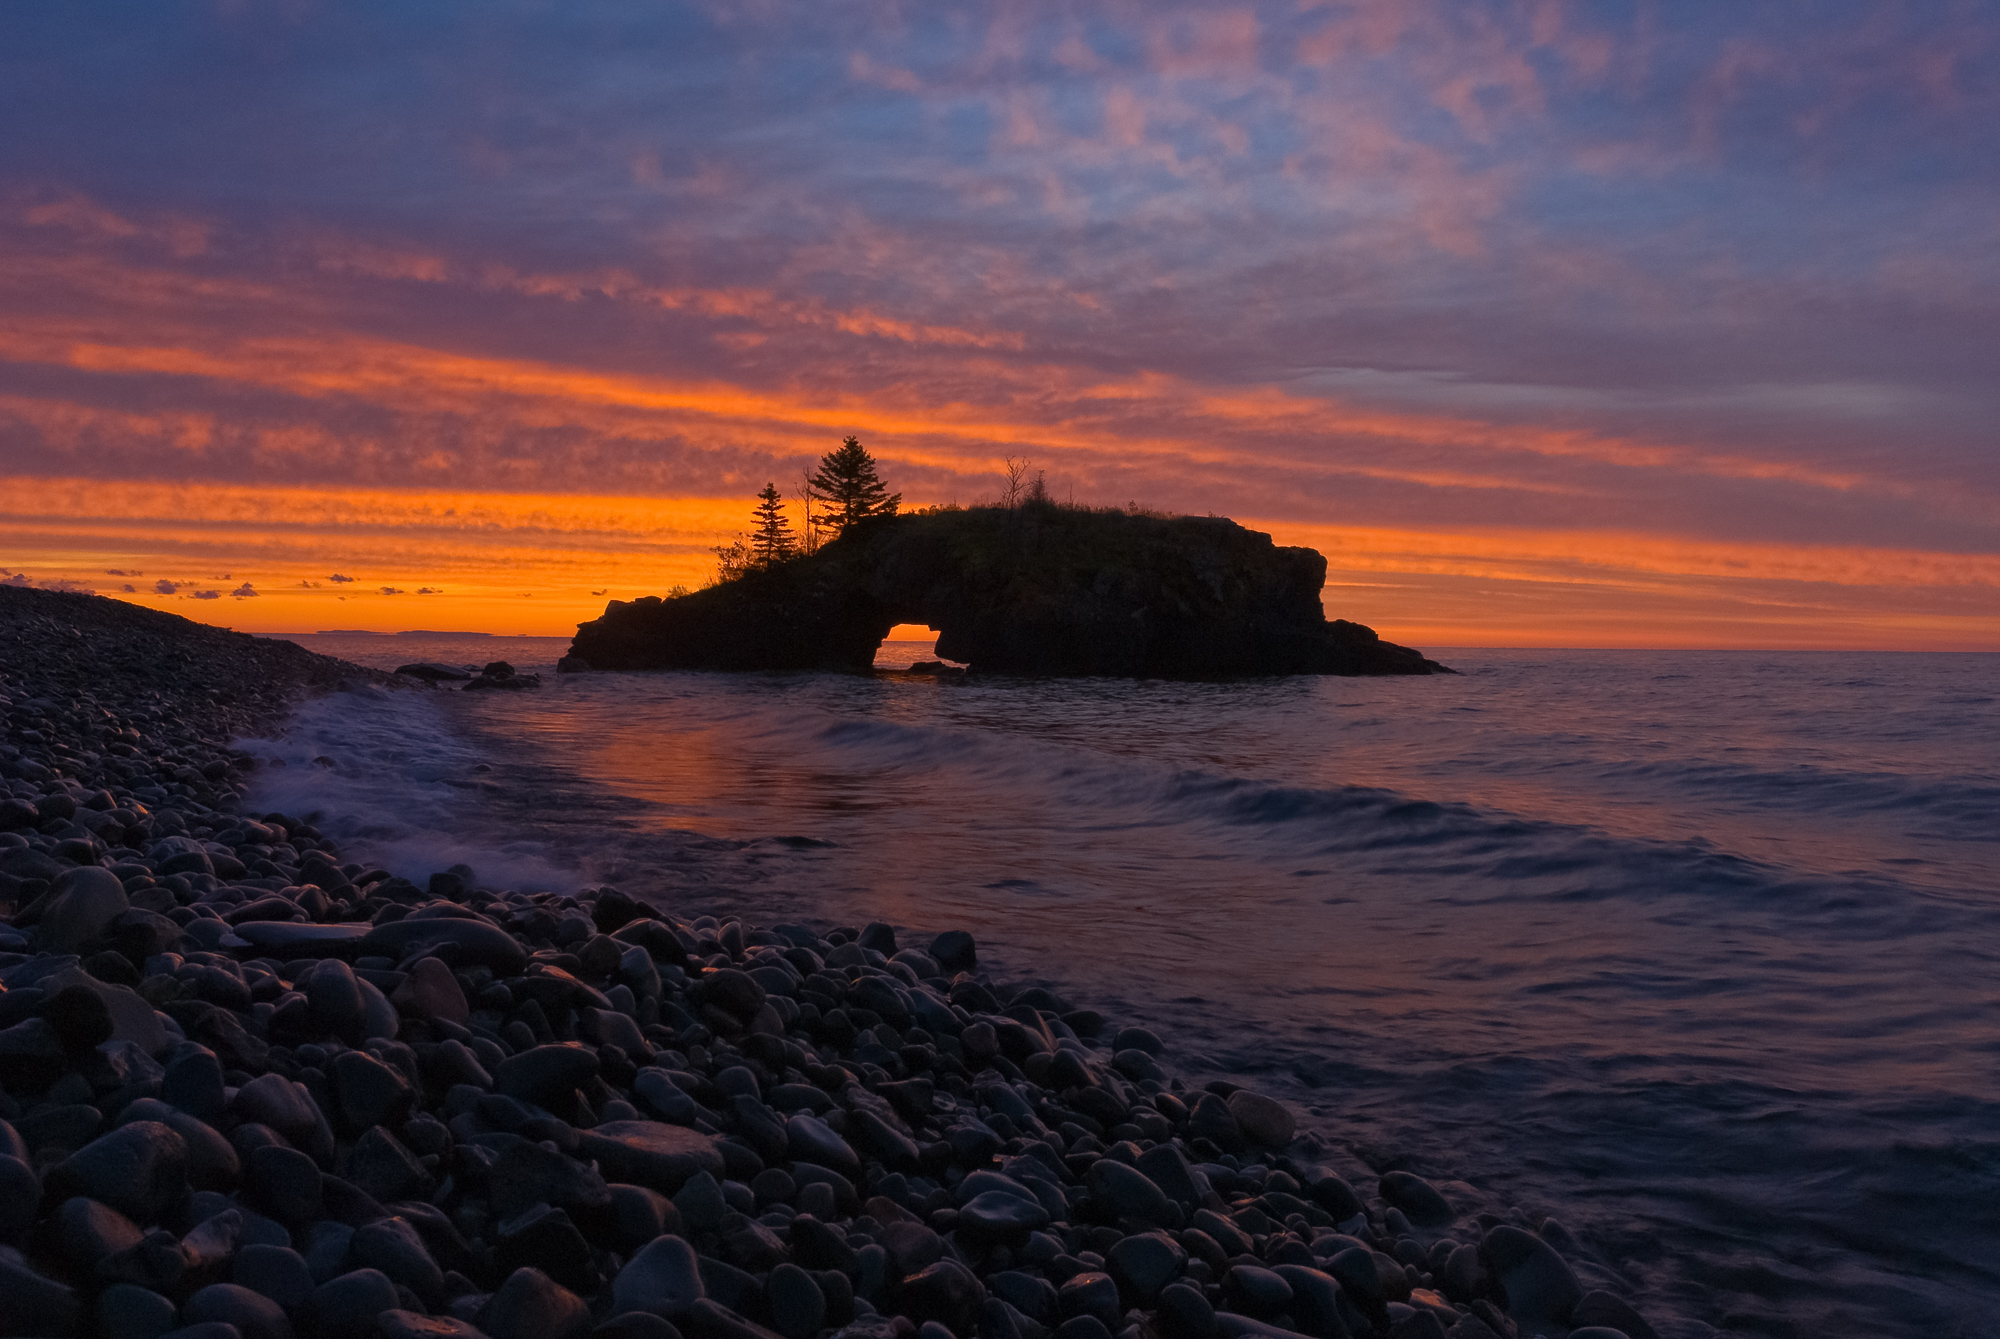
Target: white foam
[[384, 776]]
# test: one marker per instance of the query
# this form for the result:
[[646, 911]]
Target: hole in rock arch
[[906, 644]]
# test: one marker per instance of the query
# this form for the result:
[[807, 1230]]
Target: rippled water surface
[[1693, 951]]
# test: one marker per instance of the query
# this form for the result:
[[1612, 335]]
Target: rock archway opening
[[907, 644]]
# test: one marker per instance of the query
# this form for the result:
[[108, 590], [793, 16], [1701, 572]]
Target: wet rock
[[273, 1100], [1332, 1193], [254, 1316], [996, 1216], [368, 1092], [638, 1215], [809, 1139], [348, 1304], [1541, 1288], [531, 1305], [1212, 1120], [1260, 1119], [1143, 1264], [393, 1246], [138, 1169], [547, 1239], [700, 1202], [35, 1304], [85, 1232], [1090, 1294], [383, 1168], [431, 991], [466, 943], [276, 1272], [1610, 1312], [1126, 1196], [285, 1184], [333, 1000], [1256, 1291], [651, 1154], [20, 1193], [546, 1075], [796, 1305], [193, 1082], [946, 1292], [664, 1278], [1419, 1200], [527, 1174], [127, 1311], [83, 902]]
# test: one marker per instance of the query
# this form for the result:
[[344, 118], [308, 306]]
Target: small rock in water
[[1260, 1119]]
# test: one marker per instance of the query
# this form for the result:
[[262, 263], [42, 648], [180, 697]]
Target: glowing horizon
[[1548, 324]]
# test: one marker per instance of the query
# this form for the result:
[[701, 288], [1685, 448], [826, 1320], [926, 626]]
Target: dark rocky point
[[1039, 590]]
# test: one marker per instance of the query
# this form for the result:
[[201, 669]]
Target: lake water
[[1698, 952]]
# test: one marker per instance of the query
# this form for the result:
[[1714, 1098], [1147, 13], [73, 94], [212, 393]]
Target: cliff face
[[1041, 590]]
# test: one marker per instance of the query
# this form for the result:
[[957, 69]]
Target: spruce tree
[[847, 483], [773, 541]]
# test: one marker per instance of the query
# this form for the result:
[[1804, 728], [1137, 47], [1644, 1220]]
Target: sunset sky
[[1583, 324]]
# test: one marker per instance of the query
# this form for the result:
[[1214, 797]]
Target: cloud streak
[[1679, 284]]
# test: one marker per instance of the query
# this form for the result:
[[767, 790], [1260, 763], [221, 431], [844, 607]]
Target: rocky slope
[[1039, 590]]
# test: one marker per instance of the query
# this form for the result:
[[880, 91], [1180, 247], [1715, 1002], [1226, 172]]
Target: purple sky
[[1532, 295]]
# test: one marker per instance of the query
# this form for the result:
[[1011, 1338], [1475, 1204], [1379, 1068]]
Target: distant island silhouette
[[1033, 588]]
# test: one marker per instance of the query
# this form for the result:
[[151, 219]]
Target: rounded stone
[[946, 1292], [663, 1277], [1000, 1216], [35, 1304], [1256, 1291], [368, 1092], [349, 1303], [810, 1139], [20, 1194], [286, 1184], [1262, 1119], [83, 902], [1091, 1294], [1540, 1286], [795, 1302], [546, 1075], [393, 1246], [470, 943], [138, 1169], [127, 1311], [531, 1305], [1212, 1120], [1127, 1195], [86, 1232], [1137, 1039], [79, 1017], [254, 1316], [1419, 1200], [1185, 1313], [194, 1082], [276, 1272], [1143, 1264]]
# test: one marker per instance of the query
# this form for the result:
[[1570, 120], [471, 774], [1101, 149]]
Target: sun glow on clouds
[[1543, 324]]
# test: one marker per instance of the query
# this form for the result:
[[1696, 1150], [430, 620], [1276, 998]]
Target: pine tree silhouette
[[773, 541], [847, 482]]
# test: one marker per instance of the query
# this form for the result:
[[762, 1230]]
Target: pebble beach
[[252, 1089]]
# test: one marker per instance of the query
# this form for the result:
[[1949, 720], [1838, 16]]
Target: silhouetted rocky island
[[1039, 590]]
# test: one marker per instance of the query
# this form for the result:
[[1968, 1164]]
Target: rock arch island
[[1035, 590]]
